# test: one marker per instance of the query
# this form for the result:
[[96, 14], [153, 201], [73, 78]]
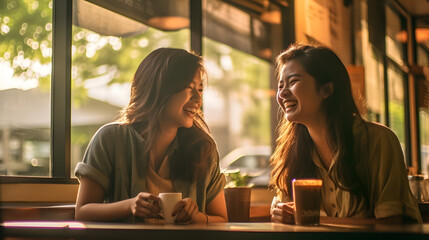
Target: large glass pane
[[422, 27], [104, 60], [423, 55], [237, 107], [396, 102], [25, 70], [374, 73], [424, 139], [396, 36], [396, 42], [240, 40], [248, 26]]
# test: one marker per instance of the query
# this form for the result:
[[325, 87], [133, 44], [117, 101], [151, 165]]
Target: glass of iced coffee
[[306, 196]]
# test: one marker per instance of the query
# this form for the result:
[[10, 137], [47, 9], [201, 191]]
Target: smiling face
[[182, 107], [298, 96]]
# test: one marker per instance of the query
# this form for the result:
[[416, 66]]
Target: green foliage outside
[[397, 120], [248, 76], [108, 58], [25, 37], [26, 45]]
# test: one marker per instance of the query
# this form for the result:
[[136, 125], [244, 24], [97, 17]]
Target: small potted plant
[[237, 195]]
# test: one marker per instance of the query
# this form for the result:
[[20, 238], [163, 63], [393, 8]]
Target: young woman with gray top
[[160, 144]]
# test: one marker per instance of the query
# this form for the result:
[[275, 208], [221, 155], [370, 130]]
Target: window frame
[[412, 132], [62, 21], [62, 11]]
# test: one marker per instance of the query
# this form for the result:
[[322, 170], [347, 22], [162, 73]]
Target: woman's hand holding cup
[[283, 213], [185, 210], [146, 205]]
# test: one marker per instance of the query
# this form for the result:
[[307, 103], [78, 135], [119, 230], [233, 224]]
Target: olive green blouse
[[114, 159], [389, 191]]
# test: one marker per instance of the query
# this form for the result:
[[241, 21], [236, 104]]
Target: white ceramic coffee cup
[[169, 201]]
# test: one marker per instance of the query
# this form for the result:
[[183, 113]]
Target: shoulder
[[384, 136], [108, 128], [374, 133], [114, 129], [382, 146], [115, 133], [377, 140], [379, 129]]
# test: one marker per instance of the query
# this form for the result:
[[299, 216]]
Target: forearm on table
[[103, 211], [213, 218], [202, 218], [362, 221]]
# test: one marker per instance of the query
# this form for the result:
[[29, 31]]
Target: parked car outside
[[250, 160]]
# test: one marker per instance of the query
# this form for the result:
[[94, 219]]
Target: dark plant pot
[[238, 203]]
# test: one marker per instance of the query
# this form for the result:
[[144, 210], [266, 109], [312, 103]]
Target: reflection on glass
[[396, 102], [225, 23], [423, 55], [396, 36], [423, 61], [424, 139], [237, 100], [25, 69], [374, 84], [102, 70]]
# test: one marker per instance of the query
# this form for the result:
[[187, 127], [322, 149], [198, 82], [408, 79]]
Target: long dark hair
[[163, 73], [293, 156]]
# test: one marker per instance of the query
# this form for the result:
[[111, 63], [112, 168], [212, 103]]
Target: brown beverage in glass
[[238, 203], [306, 196]]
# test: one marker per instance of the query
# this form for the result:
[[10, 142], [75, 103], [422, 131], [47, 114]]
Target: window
[[107, 41], [237, 103], [396, 36], [25, 67], [384, 54], [397, 79], [104, 60], [372, 59], [424, 139], [423, 95]]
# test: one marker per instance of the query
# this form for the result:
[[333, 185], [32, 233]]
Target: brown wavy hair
[[293, 156], [163, 73]]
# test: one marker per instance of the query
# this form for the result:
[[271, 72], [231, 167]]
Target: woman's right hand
[[283, 213], [146, 205]]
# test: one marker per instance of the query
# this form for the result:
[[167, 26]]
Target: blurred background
[[66, 69]]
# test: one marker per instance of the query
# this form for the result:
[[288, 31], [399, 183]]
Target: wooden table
[[219, 231]]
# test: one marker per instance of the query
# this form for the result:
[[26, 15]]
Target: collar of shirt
[[318, 161], [329, 190]]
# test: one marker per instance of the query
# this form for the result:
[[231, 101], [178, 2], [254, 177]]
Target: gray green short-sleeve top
[[114, 159]]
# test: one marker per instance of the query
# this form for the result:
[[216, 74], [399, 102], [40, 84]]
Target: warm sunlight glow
[[41, 224]]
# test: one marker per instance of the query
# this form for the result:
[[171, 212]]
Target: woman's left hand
[[185, 210], [283, 213]]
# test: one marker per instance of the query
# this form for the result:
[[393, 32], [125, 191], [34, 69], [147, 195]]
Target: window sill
[[37, 211], [21, 179], [58, 193]]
